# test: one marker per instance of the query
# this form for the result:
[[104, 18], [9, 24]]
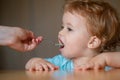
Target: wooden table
[[60, 75]]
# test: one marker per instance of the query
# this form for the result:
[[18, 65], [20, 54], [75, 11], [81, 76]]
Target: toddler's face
[[74, 36]]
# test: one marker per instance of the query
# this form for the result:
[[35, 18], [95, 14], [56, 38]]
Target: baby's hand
[[39, 64], [96, 63]]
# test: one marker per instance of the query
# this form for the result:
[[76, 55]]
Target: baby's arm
[[39, 64], [100, 61], [113, 59]]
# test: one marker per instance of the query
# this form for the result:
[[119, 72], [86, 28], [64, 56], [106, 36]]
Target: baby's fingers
[[85, 67], [49, 66], [39, 67], [52, 67], [45, 67]]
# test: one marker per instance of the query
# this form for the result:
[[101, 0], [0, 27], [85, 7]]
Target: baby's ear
[[94, 42]]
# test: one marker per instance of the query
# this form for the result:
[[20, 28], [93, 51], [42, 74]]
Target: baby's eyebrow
[[68, 25]]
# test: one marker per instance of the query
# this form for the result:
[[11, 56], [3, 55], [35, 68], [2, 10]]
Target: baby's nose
[[61, 33]]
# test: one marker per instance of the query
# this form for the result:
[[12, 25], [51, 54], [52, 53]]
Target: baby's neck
[[83, 59]]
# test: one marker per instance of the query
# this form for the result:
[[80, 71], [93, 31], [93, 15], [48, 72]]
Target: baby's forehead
[[75, 20], [77, 14], [74, 16]]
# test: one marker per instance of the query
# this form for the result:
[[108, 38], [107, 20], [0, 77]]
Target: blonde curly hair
[[102, 20]]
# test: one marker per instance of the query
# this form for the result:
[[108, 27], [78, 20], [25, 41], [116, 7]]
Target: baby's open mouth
[[60, 44]]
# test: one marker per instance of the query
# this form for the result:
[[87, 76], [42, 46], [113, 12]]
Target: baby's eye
[[69, 29]]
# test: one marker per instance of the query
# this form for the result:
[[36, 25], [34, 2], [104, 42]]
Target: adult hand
[[19, 39]]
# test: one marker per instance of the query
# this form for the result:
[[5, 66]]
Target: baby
[[88, 29]]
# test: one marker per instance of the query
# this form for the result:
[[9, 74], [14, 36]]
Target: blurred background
[[43, 17]]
